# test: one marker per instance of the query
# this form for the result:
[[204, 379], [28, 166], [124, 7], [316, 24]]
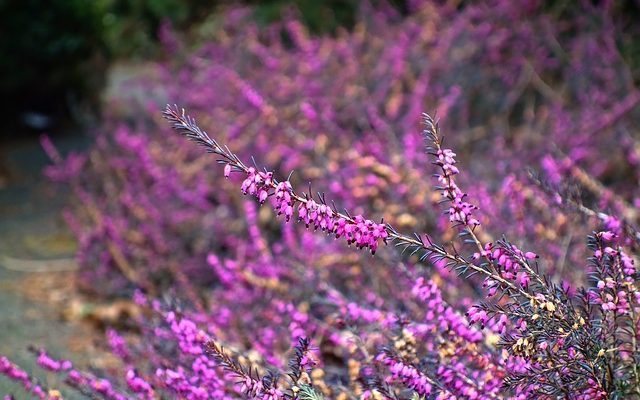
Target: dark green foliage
[[52, 52], [131, 26], [319, 16]]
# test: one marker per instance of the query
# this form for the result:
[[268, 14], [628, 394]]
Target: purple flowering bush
[[519, 281]]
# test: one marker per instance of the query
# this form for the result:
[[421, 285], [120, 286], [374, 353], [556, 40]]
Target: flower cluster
[[511, 262], [257, 183], [319, 216], [460, 211], [478, 315], [99, 386], [284, 202], [615, 271], [407, 374], [139, 385], [441, 315], [50, 364], [364, 233], [13, 372], [190, 338]]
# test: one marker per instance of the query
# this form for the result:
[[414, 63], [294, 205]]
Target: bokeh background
[[551, 85]]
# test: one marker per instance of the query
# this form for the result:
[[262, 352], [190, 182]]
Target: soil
[[37, 268], [40, 304]]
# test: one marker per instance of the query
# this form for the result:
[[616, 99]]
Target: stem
[[187, 126]]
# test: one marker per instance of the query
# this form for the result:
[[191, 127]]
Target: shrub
[[520, 92], [553, 341], [350, 104]]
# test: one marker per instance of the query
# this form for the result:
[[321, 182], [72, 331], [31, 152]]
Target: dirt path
[[36, 263]]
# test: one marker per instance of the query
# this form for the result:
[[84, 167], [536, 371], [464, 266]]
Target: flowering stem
[[187, 126]]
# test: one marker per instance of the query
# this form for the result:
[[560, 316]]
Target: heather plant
[[550, 341], [492, 299], [516, 97], [559, 339]]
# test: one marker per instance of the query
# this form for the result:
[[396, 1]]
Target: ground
[[39, 305]]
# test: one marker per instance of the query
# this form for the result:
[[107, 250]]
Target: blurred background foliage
[[50, 53], [55, 54]]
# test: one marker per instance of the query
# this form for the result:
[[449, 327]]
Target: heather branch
[[249, 378], [186, 126], [301, 360], [460, 211]]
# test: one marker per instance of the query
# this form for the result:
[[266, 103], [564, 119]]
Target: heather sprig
[[540, 311], [15, 373], [409, 375], [251, 384], [267, 387], [301, 362], [460, 211], [356, 229]]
